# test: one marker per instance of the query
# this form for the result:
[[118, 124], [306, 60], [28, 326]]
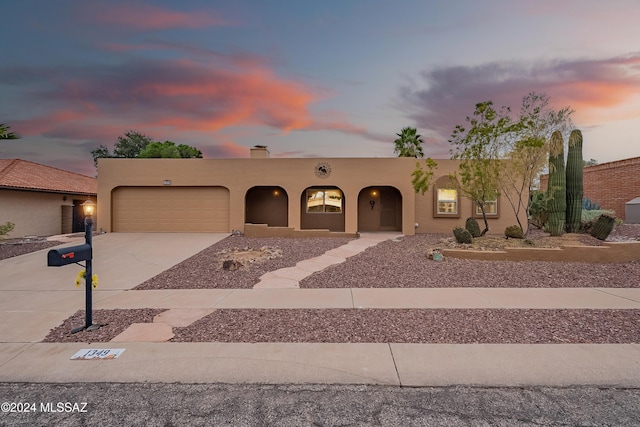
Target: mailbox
[[69, 255]]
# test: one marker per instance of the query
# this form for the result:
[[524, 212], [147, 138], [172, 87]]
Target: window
[[490, 208], [446, 198], [447, 202], [324, 200]]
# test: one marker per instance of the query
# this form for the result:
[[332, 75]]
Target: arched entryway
[[267, 205], [380, 209], [322, 208]]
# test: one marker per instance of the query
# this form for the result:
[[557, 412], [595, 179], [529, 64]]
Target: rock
[[435, 255], [231, 265]]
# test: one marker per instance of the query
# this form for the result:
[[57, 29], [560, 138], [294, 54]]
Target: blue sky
[[326, 79]]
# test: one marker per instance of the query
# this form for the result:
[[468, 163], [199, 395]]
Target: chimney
[[259, 152]]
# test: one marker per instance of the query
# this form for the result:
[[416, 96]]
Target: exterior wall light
[[166, 182]]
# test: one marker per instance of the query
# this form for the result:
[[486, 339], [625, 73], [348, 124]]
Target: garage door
[[170, 209]]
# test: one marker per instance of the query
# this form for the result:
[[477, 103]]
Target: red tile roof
[[22, 174]]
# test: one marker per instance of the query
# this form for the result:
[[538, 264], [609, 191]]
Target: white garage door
[[170, 209]]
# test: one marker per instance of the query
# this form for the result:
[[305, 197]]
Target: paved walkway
[[290, 277], [34, 299]]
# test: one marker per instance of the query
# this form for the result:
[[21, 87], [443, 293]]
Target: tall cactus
[[574, 182], [557, 185]]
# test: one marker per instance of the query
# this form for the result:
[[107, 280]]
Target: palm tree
[[409, 143], [5, 134]]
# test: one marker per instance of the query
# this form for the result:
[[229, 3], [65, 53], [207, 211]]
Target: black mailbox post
[[75, 254]]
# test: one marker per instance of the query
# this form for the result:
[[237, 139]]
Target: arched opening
[[267, 205], [322, 208], [380, 209]]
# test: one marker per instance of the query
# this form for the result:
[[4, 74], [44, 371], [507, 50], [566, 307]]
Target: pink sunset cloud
[[591, 87], [226, 149], [175, 96]]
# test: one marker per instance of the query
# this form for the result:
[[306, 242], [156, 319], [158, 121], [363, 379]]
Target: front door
[[78, 217], [380, 209]]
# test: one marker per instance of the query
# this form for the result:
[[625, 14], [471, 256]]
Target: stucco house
[[281, 196], [42, 200]]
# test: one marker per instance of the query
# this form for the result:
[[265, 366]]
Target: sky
[[336, 78]]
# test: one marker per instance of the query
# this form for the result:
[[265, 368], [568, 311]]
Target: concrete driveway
[[35, 298]]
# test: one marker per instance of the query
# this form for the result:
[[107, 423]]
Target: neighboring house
[[611, 184], [346, 195], [41, 200]]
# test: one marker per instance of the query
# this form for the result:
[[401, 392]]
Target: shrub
[[472, 226], [538, 212], [588, 205], [462, 235], [591, 215], [6, 229], [514, 232]]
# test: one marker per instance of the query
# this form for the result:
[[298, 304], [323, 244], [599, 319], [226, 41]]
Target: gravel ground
[[114, 321], [202, 271], [402, 264], [497, 326], [15, 247]]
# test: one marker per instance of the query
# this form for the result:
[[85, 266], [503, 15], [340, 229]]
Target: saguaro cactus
[[574, 182], [557, 185]]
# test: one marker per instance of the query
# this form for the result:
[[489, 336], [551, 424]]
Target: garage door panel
[[170, 209]]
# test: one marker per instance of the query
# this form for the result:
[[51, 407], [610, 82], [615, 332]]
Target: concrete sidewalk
[[277, 363], [534, 298], [34, 299]]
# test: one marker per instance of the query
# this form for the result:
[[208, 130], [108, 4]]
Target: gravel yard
[[403, 264], [458, 326], [204, 271], [15, 247]]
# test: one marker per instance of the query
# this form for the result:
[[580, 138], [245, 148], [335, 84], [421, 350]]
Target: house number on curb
[[98, 353]]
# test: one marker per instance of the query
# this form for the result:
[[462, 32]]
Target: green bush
[[462, 235], [538, 212], [472, 226], [514, 232], [589, 218], [591, 215], [589, 205], [6, 229]]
